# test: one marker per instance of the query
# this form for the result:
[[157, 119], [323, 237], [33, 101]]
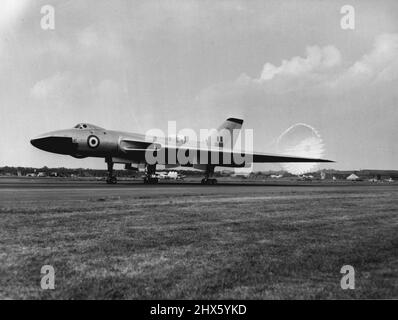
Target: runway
[[54, 183], [39, 189]]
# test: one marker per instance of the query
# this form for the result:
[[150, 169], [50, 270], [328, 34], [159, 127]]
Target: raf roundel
[[93, 141]]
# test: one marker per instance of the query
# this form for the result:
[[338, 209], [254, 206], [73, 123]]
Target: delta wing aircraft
[[139, 150]]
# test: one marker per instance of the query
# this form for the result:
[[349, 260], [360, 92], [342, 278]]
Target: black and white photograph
[[180, 151]]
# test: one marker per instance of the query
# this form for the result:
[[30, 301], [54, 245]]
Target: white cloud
[[62, 86], [380, 64], [45, 88], [317, 60], [322, 70]]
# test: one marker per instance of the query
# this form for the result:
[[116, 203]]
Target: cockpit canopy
[[83, 126]]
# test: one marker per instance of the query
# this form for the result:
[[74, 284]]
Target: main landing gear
[[111, 179], [208, 181], [208, 176], [150, 175]]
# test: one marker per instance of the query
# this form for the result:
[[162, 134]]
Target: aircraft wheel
[[208, 181], [111, 180]]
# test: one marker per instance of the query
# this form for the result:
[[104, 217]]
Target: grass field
[[188, 242]]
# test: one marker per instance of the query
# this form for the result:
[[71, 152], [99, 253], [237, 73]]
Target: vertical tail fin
[[225, 135]]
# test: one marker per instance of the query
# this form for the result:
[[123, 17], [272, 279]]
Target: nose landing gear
[[111, 179], [208, 181]]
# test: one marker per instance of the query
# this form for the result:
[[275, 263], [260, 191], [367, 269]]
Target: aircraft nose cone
[[62, 145], [35, 142], [39, 143]]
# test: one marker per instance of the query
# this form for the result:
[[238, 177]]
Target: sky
[[134, 65]]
